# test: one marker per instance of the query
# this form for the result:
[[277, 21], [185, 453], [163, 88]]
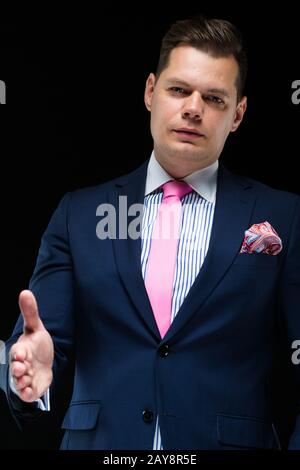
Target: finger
[[29, 310], [18, 352], [26, 394], [18, 369], [22, 382]]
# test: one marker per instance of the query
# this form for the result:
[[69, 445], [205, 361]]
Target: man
[[173, 341]]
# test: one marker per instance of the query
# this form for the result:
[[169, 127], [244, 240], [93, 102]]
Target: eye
[[214, 99], [178, 90]]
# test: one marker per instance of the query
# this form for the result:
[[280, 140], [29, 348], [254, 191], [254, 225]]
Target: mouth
[[189, 133]]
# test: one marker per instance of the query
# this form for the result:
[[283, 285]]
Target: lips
[[188, 132]]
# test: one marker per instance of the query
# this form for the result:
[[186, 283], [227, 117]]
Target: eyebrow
[[179, 81], [219, 91]]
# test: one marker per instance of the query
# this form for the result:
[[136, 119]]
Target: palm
[[39, 347], [32, 355]]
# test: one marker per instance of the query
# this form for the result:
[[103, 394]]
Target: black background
[[75, 117]]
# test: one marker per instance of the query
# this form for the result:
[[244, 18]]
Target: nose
[[193, 107]]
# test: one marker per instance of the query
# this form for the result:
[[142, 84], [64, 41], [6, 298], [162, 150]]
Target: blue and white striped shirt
[[197, 218]]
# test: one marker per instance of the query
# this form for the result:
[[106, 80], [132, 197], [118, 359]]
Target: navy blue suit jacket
[[209, 378]]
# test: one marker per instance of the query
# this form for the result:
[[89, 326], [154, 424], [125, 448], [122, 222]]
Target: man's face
[[193, 108]]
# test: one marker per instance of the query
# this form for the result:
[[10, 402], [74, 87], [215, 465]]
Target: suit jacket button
[[164, 350], [148, 416]]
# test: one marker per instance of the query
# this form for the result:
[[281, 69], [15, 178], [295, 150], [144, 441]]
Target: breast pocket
[[257, 260]]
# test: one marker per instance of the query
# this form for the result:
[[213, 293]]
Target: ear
[[239, 113], [149, 88]]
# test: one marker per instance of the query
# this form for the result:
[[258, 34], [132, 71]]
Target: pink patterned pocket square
[[261, 238]]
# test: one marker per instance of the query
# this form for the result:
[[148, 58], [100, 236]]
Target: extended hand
[[31, 357]]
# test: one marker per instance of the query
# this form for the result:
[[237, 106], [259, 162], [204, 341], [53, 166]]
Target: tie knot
[[176, 188]]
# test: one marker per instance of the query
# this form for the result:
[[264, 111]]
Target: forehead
[[201, 69]]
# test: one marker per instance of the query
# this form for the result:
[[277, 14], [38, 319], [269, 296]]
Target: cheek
[[222, 126], [166, 109], [159, 118], [156, 123]]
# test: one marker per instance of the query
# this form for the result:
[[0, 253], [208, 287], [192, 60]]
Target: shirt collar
[[204, 181]]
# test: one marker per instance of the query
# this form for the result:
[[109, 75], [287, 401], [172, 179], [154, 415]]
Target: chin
[[187, 153]]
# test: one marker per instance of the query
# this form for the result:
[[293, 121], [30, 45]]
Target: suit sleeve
[[53, 286], [290, 311]]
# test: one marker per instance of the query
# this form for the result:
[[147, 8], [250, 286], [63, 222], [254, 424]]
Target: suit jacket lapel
[[128, 250], [234, 206]]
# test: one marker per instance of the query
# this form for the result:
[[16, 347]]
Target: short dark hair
[[216, 37]]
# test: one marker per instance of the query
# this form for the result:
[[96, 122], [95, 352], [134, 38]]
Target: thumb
[[29, 310]]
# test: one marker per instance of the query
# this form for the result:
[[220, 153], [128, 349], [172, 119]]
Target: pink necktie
[[163, 253]]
